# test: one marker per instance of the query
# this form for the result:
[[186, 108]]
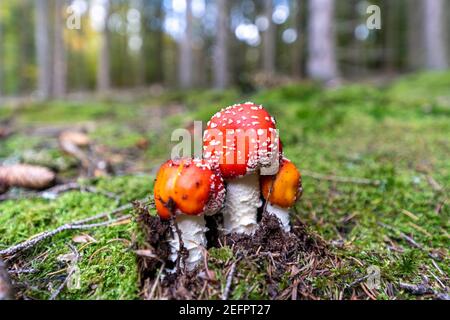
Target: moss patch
[[396, 135]]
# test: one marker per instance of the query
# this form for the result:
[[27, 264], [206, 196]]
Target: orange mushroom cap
[[188, 186], [285, 187]]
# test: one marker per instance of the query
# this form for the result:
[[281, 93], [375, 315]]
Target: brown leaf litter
[[287, 262]]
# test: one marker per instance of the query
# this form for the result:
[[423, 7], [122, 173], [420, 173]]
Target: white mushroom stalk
[[243, 140], [185, 190], [241, 204], [192, 230], [282, 214]]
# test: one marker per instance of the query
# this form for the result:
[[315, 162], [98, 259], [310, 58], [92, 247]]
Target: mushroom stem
[[241, 204], [192, 230], [281, 213]]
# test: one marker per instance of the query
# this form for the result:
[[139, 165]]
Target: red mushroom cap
[[188, 186], [241, 139]]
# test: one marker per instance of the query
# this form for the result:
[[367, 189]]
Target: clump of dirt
[[269, 264], [290, 261], [155, 233]]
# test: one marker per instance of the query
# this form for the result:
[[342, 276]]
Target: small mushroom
[[282, 191], [185, 190], [243, 140]]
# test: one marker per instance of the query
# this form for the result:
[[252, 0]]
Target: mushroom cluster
[[242, 166]]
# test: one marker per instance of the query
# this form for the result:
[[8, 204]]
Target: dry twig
[[77, 225], [155, 284], [54, 192], [227, 290]]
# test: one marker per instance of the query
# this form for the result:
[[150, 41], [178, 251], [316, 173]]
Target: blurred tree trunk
[[415, 32], [153, 40], [1, 58], [435, 34], [322, 63], [103, 64], [297, 49], [59, 52], [43, 49], [159, 58], [391, 40], [186, 54], [221, 77], [269, 40]]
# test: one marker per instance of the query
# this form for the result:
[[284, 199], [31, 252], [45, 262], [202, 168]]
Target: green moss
[[102, 263], [5, 112], [222, 254], [397, 135]]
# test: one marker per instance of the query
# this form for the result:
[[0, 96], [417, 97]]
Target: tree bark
[[103, 64], [435, 35], [43, 49], [269, 40], [221, 77], [1, 59], [322, 63], [415, 31], [59, 52], [297, 47], [186, 54], [159, 70]]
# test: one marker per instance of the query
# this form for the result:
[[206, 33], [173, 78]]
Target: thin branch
[[416, 289], [357, 281], [332, 178], [155, 284], [49, 234], [54, 192], [405, 237], [106, 214], [227, 290]]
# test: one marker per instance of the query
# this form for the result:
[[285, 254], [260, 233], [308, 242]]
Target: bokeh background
[[93, 90], [52, 48]]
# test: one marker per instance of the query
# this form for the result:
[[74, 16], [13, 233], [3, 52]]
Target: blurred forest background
[[92, 90], [51, 48]]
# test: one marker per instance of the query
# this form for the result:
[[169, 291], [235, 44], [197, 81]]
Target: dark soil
[[286, 263]]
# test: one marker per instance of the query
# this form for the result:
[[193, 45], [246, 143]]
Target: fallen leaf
[[76, 138], [83, 238], [68, 257], [142, 144]]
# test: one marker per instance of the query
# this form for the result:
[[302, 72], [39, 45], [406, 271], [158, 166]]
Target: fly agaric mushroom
[[186, 189], [243, 140], [282, 191]]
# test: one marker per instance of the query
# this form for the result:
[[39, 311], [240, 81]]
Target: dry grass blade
[[227, 290]]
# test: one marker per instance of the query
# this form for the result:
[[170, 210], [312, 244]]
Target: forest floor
[[376, 173]]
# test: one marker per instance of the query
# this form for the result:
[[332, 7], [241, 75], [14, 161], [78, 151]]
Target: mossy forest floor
[[396, 138]]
